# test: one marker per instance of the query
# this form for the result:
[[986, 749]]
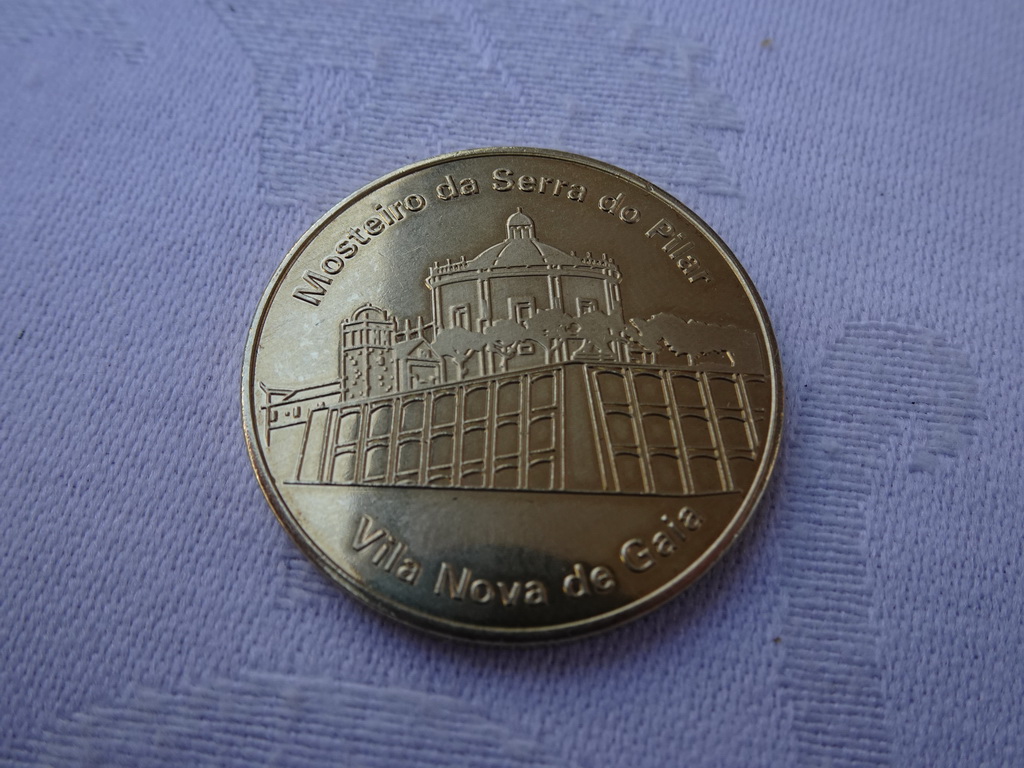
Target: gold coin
[[512, 394]]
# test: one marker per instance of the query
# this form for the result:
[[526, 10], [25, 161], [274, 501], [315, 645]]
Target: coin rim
[[478, 632]]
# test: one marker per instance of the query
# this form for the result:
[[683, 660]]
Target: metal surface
[[512, 394]]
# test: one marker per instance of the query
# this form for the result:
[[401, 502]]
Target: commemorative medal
[[512, 394]]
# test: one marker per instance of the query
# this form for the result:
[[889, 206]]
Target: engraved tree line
[[596, 336]]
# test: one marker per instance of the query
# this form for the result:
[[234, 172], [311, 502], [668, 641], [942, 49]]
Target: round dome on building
[[521, 248]]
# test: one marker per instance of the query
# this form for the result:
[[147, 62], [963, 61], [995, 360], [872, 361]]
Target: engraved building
[[525, 376]]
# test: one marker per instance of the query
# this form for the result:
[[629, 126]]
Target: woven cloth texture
[[865, 162]]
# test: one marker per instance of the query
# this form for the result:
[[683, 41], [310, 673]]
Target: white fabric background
[[864, 161]]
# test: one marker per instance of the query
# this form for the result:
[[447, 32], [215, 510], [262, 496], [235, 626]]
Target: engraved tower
[[367, 366]]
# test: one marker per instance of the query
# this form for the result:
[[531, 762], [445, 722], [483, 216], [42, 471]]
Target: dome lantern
[[520, 226]]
